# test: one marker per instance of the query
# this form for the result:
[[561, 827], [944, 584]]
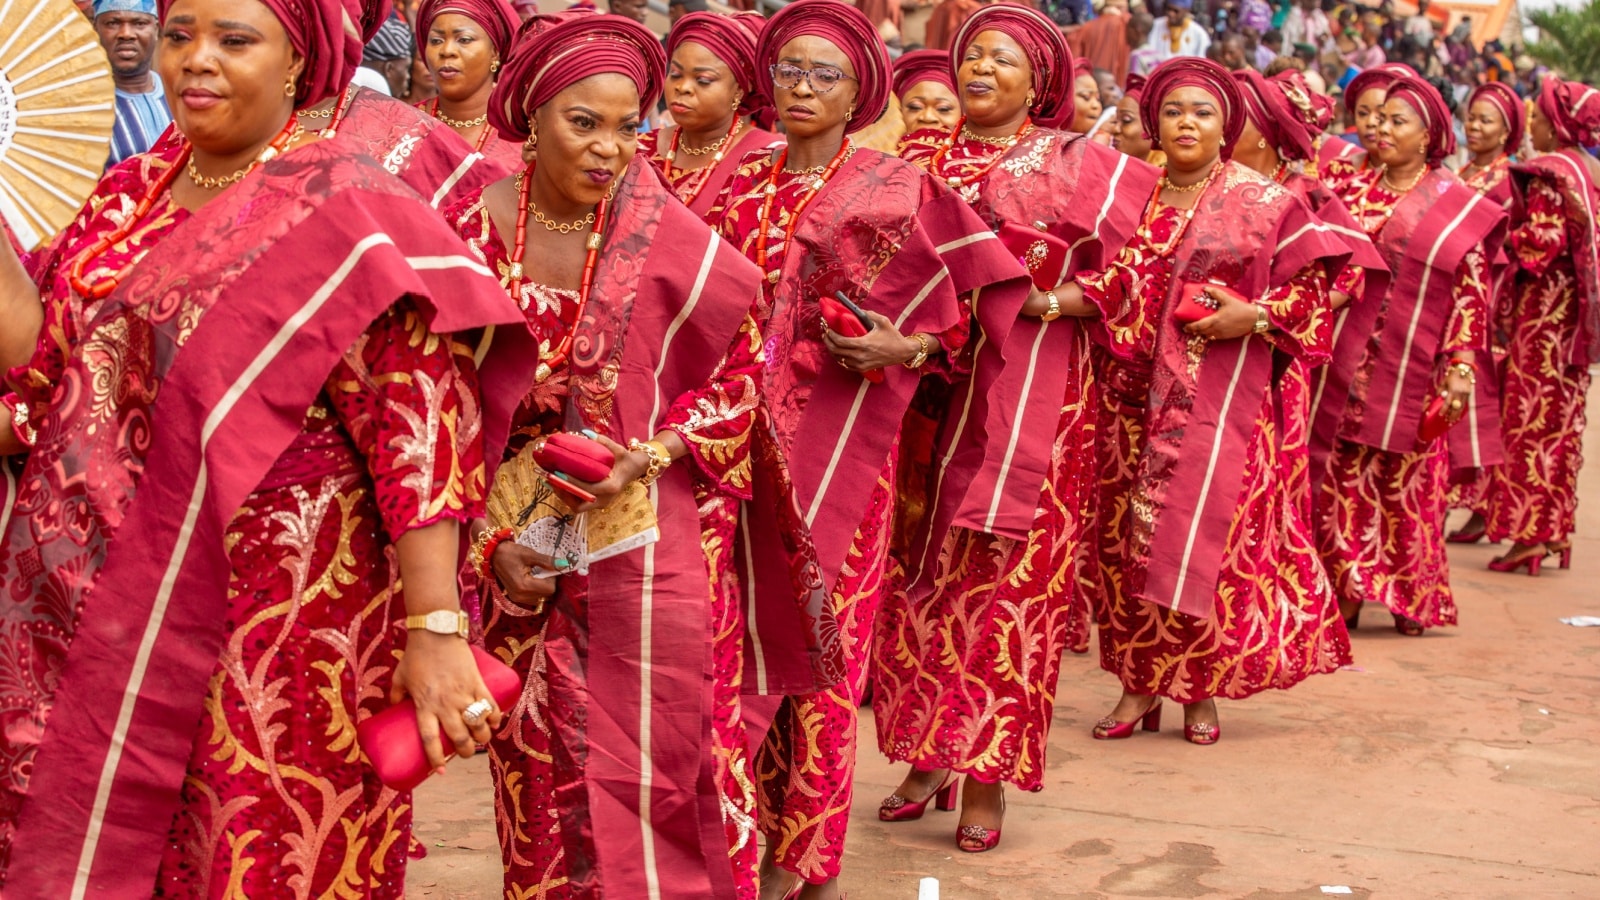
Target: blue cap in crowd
[[101, 7]]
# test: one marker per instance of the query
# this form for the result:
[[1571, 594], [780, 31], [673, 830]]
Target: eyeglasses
[[822, 79]]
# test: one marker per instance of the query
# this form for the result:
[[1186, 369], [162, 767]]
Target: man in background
[[127, 30], [1178, 34]]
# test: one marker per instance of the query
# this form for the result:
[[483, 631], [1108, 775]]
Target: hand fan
[[57, 109]]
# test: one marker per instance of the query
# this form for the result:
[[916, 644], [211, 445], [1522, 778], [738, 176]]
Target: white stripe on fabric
[[1016, 429], [1211, 470], [750, 607], [163, 598], [1416, 314], [861, 395], [966, 241], [449, 184], [1100, 218], [1314, 226]]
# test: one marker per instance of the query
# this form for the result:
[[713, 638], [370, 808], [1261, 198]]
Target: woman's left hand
[[1458, 390], [1235, 316], [626, 467], [879, 348]]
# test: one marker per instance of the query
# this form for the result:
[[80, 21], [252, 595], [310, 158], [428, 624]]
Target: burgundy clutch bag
[[1043, 255], [843, 320], [1434, 424], [393, 744], [575, 455]]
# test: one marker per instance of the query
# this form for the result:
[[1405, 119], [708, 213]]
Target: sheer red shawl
[[902, 245], [1572, 178], [1000, 428], [634, 680], [1431, 231], [1252, 234], [290, 265]]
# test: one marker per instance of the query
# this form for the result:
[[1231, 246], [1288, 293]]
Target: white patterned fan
[[57, 109]]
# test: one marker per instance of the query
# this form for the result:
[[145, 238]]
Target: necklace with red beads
[[703, 174], [771, 191], [558, 357], [960, 131], [103, 288]]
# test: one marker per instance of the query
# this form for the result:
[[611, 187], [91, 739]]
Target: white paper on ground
[[1581, 621], [928, 889], [1336, 889]]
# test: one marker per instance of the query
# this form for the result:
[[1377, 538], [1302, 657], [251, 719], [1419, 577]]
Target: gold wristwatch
[[440, 621]]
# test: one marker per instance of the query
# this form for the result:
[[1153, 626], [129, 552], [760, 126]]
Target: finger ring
[[1455, 404], [474, 713]]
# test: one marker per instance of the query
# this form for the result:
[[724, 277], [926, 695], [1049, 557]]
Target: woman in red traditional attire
[[464, 44], [1280, 122], [926, 91], [969, 650], [203, 571], [1213, 587], [823, 218], [1553, 324], [1339, 161], [713, 92], [1403, 365], [1086, 98], [1494, 127], [624, 765]]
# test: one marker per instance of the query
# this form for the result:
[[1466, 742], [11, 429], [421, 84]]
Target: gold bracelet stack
[[1053, 312], [1465, 370], [660, 459], [923, 349]]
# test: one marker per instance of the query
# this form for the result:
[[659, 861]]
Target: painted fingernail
[[439, 771], [563, 563], [590, 433]]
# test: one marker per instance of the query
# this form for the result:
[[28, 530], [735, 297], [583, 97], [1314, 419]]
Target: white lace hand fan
[[57, 109]]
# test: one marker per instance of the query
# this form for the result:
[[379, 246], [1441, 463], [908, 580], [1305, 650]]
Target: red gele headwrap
[[547, 60], [1313, 108], [1193, 71], [496, 17], [1573, 109], [1135, 87], [325, 34], [1500, 95], [922, 65], [729, 40], [1380, 77], [1284, 125], [373, 14], [846, 28], [1425, 99], [1047, 51]]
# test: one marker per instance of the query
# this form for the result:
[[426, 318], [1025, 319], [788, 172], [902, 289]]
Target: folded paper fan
[[57, 109]]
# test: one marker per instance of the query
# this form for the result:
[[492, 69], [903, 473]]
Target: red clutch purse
[[1043, 255], [393, 744], [566, 455], [1434, 424], [1194, 304], [848, 321]]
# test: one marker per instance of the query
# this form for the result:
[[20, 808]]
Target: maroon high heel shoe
[[1531, 559], [1408, 626], [1563, 550], [978, 839], [896, 808], [1204, 734], [1463, 536], [1109, 729]]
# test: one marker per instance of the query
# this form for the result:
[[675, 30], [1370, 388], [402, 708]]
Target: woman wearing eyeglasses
[[997, 583], [821, 219], [1406, 369], [713, 91]]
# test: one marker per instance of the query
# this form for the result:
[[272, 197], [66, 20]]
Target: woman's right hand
[[514, 564]]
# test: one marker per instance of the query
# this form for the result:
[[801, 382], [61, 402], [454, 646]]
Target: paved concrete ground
[[1465, 763]]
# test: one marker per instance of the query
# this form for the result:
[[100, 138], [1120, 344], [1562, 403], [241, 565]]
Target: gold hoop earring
[[494, 67], [850, 113], [1261, 144], [532, 143], [1030, 99], [736, 101], [289, 87]]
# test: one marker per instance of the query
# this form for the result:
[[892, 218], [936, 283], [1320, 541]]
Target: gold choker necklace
[[1007, 141], [1167, 185], [462, 123]]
